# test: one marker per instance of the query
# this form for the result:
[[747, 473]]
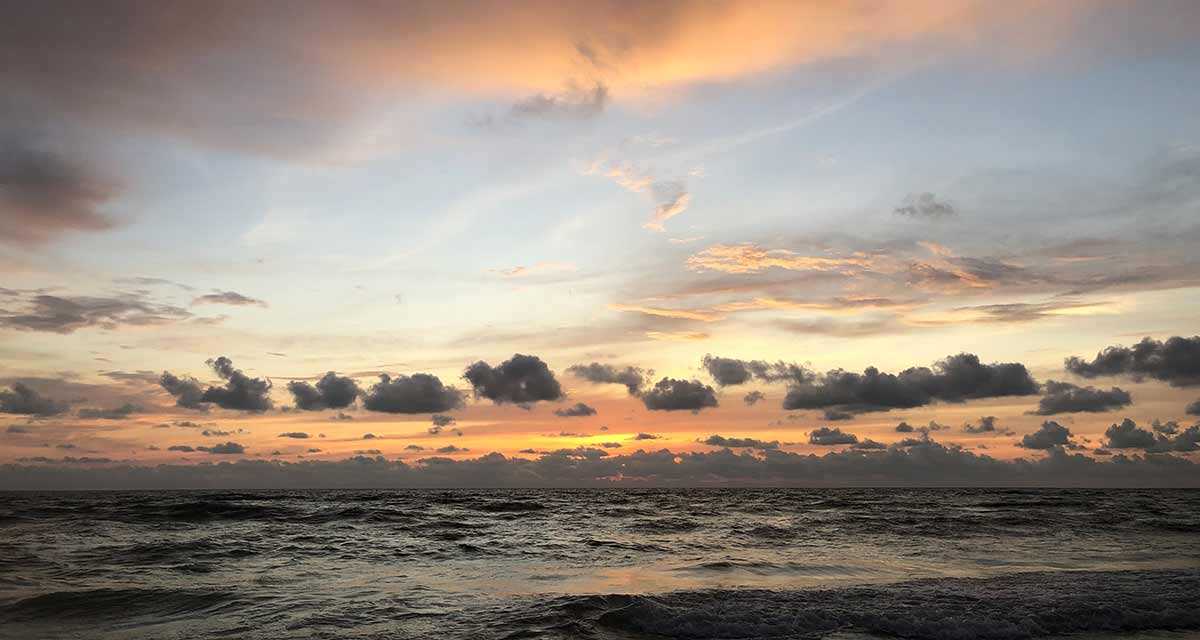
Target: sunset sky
[[577, 230]]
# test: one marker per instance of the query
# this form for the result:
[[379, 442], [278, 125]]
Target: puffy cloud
[[187, 391], [869, 445], [241, 392], [925, 206], [22, 399], [731, 371], [66, 314], [181, 447], [117, 413], [300, 435], [837, 415], [227, 448], [646, 436], [576, 410], [1064, 397], [1175, 361], [826, 436], [330, 392], [216, 433], [451, 449], [671, 394], [231, 298], [904, 427], [521, 380], [1164, 438], [44, 194], [954, 379], [1193, 409], [1049, 436], [418, 393], [369, 436], [987, 424], [753, 398], [740, 443], [632, 377]]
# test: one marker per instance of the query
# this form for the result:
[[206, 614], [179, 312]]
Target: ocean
[[604, 564]]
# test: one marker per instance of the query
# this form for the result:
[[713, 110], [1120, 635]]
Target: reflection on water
[[489, 563]]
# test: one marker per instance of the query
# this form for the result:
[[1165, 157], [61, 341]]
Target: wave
[[116, 604], [1012, 607]]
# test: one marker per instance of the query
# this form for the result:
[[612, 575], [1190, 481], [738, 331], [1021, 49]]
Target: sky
[[575, 243]]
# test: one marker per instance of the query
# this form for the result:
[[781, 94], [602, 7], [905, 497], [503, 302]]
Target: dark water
[[601, 564]]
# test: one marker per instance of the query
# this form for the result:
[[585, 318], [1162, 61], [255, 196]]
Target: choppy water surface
[[600, 564]]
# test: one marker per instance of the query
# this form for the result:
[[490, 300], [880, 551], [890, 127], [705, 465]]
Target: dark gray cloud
[[330, 392], [869, 445], [1175, 361], [731, 371], [955, 379], [1193, 409], [294, 434], [451, 449], [987, 424], [369, 436], [116, 413], [931, 464], [418, 393], [16, 428], [44, 194], [826, 436], [241, 392], [227, 448], [1049, 436], [925, 206], [232, 298], [22, 399], [216, 433], [181, 447], [670, 394], [632, 377], [186, 390], [753, 398], [66, 314], [905, 427], [576, 410], [610, 445], [521, 380], [740, 443], [646, 436], [1064, 397], [1164, 438]]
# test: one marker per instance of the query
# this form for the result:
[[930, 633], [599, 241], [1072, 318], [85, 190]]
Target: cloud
[[16, 428], [300, 435], [869, 445], [187, 391], [369, 436], [1050, 435], [740, 443], [954, 379], [21, 399], [748, 258], [418, 393], [826, 436], [931, 464], [632, 377], [925, 206], [671, 198], [1193, 409], [520, 380], [646, 436], [837, 415], [441, 420], [117, 413], [232, 298], [731, 371], [1175, 361], [753, 398], [451, 449], [330, 392], [987, 424], [228, 448], [216, 433], [1064, 397], [1127, 435], [670, 394], [574, 103], [181, 447], [579, 409], [44, 194], [67, 314], [241, 392]]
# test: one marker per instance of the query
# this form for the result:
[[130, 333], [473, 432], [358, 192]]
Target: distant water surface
[[606, 564]]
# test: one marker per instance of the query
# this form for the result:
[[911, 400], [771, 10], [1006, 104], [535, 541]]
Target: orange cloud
[[749, 258]]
